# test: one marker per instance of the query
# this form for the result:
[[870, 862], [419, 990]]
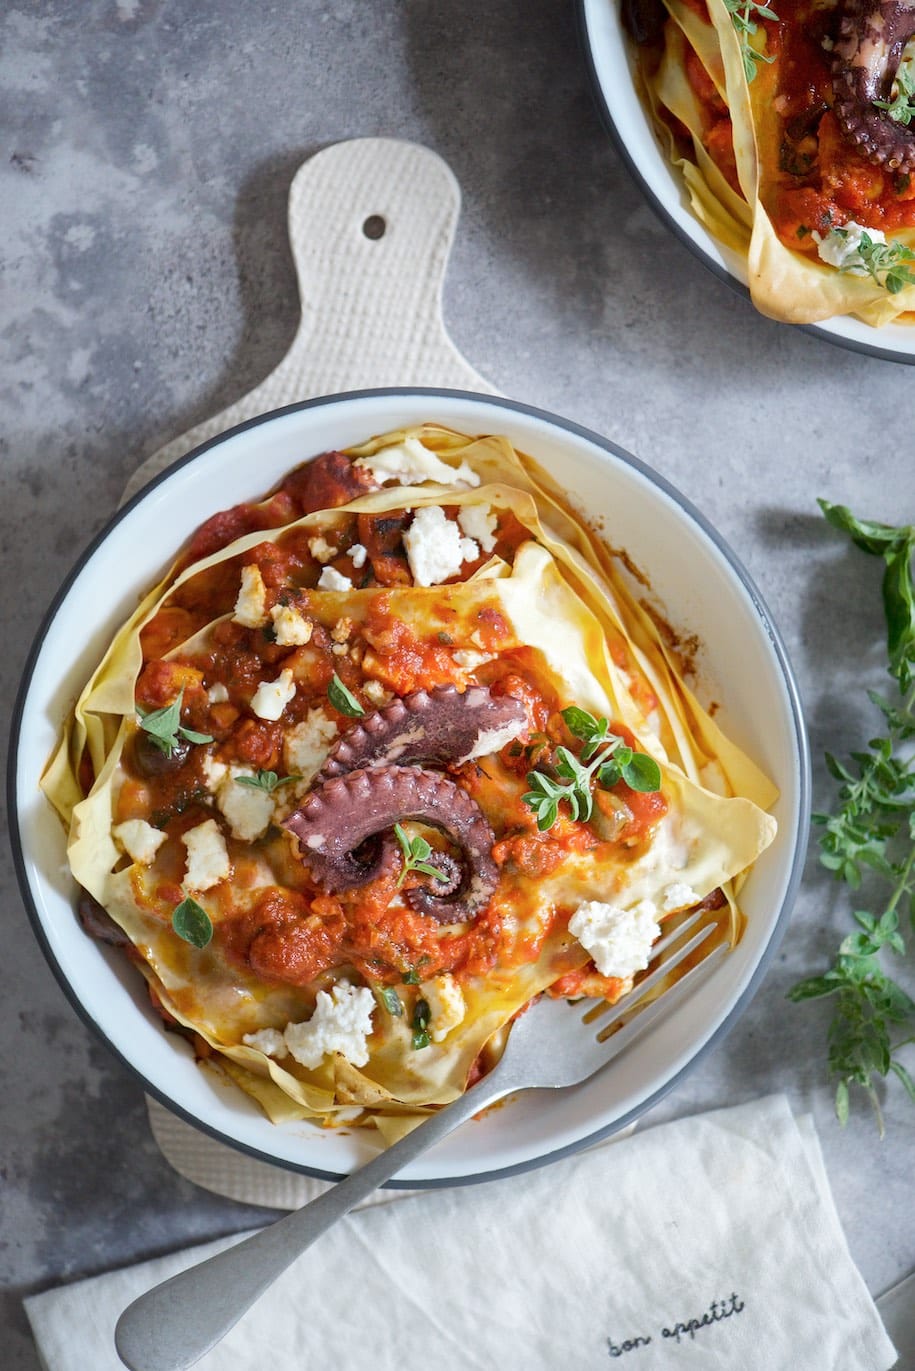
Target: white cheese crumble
[[218, 694], [341, 1023], [270, 1041], [435, 548], [330, 579], [251, 604], [306, 744], [139, 840], [272, 697], [841, 247], [214, 772], [247, 808], [479, 522], [358, 555], [376, 693], [410, 463], [446, 1004], [321, 549], [679, 896], [292, 629], [469, 660], [619, 940], [207, 858]]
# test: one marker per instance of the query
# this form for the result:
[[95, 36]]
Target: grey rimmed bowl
[[706, 592]]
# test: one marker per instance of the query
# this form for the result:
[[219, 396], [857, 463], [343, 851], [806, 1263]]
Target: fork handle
[[173, 1325]]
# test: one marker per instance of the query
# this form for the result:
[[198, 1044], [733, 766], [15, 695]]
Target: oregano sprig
[[604, 756], [869, 838], [267, 781], [192, 923], [890, 265], [901, 109], [165, 728], [744, 16], [416, 853]]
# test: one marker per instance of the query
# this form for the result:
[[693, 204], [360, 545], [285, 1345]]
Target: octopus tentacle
[[342, 813], [872, 36], [439, 726]]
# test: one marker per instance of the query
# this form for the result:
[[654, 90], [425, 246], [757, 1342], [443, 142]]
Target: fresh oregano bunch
[[871, 833]]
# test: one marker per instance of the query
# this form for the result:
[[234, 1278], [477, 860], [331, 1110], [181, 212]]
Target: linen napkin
[[709, 1242]]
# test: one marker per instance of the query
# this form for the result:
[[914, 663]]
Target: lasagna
[[386, 755]]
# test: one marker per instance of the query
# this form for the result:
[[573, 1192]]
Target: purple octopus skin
[[872, 36], [343, 812], [441, 725]]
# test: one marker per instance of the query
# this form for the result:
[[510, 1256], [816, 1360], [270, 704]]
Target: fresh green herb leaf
[[889, 264], [642, 773], [192, 923], [420, 1025], [581, 723], [411, 976], [901, 108], [416, 853], [868, 841], [744, 15], [164, 726], [343, 700], [266, 780], [608, 759], [391, 1000]]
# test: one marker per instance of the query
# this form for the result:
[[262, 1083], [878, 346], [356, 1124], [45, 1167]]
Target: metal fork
[[173, 1325]]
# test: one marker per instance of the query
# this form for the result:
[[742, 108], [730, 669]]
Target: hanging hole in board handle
[[374, 226]]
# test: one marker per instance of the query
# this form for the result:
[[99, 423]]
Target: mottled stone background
[[146, 151]]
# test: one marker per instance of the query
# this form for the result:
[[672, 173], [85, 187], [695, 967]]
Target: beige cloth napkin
[[710, 1242]]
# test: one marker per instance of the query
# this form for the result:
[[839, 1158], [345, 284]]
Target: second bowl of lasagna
[[777, 140], [381, 717]]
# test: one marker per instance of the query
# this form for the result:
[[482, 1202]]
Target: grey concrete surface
[[146, 152]]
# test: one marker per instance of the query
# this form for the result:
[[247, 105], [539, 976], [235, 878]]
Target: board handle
[[371, 223]]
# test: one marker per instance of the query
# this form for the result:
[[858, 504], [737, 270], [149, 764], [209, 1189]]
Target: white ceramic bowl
[[610, 58], [706, 592]]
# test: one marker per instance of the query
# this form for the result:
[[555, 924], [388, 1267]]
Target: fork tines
[[642, 1003]]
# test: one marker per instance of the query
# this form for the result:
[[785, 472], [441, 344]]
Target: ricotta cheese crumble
[[841, 247], [435, 548], [341, 1022], [207, 856], [331, 579], [272, 697], [619, 940], [139, 840], [248, 809], [479, 522], [292, 629], [251, 604]]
